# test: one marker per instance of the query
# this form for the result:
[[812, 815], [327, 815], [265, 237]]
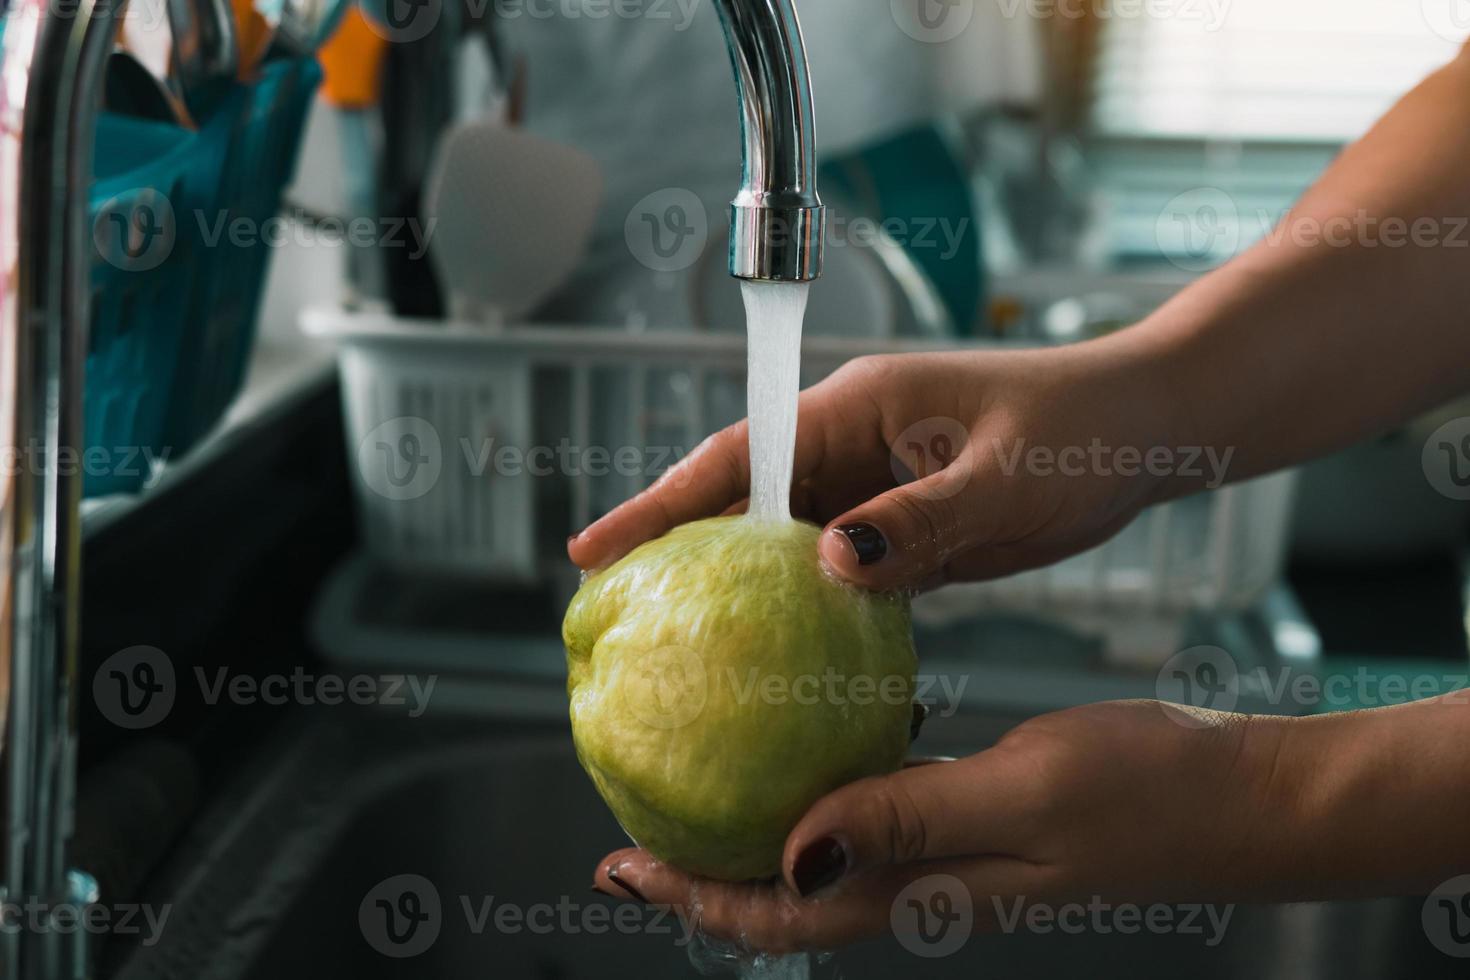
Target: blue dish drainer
[[179, 261]]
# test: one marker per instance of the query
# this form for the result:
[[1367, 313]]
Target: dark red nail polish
[[819, 864], [867, 542], [612, 876]]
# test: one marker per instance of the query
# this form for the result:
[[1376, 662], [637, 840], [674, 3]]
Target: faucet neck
[[777, 220]]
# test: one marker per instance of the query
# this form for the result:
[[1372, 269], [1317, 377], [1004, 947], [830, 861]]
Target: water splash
[[773, 316], [712, 958]]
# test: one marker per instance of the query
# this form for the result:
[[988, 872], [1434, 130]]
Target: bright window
[[1316, 70], [1208, 118]]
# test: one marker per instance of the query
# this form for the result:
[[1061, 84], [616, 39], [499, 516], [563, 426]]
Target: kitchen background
[[321, 385]]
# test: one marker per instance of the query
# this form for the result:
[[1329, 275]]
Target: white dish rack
[[501, 443]]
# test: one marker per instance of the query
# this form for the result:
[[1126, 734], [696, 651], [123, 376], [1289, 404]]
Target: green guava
[[721, 682]]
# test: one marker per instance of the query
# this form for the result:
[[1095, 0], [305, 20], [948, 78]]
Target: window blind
[[1300, 70]]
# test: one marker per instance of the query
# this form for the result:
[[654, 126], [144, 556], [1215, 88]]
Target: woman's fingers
[[768, 917], [971, 820], [983, 804], [628, 872], [904, 537], [764, 916], [702, 484], [716, 475], [709, 481]]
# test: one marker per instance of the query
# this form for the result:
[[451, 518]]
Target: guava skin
[[721, 683]]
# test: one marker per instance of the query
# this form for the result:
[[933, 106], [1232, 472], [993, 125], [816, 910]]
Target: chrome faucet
[[51, 60], [51, 66], [776, 220]]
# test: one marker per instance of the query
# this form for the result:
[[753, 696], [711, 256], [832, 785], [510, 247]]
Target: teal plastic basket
[[175, 287], [262, 159], [146, 175]]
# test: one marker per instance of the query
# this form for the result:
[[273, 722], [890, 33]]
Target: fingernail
[[818, 865], [612, 876], [866, 540], [574, 536], [921, 715]]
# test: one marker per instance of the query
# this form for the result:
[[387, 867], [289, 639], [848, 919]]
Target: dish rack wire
[[448, 398]]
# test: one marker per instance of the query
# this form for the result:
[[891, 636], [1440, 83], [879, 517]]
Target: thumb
[[977, 805], [901, 538]]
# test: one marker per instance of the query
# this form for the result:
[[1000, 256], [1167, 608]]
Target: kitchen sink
[[305, 869], [271, 834]]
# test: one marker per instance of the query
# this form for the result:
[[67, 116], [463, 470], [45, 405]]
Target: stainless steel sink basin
[[286, 878]]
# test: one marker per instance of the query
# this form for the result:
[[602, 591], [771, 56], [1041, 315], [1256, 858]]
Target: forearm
[[1351, 316], [1366, 803]]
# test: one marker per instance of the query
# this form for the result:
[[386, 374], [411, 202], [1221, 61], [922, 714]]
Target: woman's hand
[[1023, 458], [1241, 361], [1127, 800]]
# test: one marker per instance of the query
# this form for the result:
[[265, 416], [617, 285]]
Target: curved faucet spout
[[51, 66], [777, 220]]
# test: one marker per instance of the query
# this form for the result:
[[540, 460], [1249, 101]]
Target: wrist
[[1347, 807], [1374, 803], [1129, 382], [1282, 763], [1260, 811]]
